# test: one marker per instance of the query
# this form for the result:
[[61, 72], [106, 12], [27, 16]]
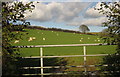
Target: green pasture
[[57, 37], [58, 51], [68, 50]]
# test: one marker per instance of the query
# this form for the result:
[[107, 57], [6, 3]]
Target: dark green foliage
[[113, 24], [107, 37], [11, 13], [113, 67], [52, 29]]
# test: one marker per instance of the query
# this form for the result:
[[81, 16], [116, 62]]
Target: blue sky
[[67, 15]]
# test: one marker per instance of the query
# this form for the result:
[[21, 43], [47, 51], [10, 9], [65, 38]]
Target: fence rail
[[64, 45], [42, 57], [67, 66], [65, 56], [46, 74]]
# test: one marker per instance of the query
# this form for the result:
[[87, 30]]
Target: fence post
[[41, 61], [85, 68]]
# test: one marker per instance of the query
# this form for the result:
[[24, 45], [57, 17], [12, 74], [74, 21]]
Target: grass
[[56, 37], [107, 49], [57, 51], [68, 50]]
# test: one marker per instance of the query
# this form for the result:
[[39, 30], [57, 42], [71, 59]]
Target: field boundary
[[62, 45], [65, 56]]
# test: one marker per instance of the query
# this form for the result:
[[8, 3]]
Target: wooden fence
[[42, 57]]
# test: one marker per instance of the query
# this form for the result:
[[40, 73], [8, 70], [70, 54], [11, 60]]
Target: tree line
[[58, 29]]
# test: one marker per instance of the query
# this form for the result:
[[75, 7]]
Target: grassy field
[[44, 37], [56, 37], [68, 50]]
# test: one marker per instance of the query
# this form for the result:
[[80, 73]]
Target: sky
[[66, 15]]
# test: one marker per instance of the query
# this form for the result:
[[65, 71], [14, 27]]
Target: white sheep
[[95, 40], [80, 40], [30, 39], [98, 40], [43, 38], [88, 37], [33, 38], [16, 41], [17, 32]]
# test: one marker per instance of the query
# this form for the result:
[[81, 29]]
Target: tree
[[84, 28], [112, 12], [105, 35], [12, 13]]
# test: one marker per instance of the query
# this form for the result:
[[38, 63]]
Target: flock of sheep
[[98, 39], [33, 38]]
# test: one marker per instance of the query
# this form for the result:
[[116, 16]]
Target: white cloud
[[24, 0], [94, 21], [74, 23], [90, 22], [91, 12], [57, 11], [61, 12]]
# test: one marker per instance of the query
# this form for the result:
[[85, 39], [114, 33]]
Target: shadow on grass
[[35, 62]]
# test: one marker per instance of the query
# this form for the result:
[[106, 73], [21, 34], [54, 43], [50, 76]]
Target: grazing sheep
[[98, 40], [43, 38], [33, 38], [88, 37], [16, 41], [80, 40], [17, 32], [30, 39], [95, 40], [42, 33]]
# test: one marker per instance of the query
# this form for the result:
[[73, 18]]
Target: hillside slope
[[45, 37]]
